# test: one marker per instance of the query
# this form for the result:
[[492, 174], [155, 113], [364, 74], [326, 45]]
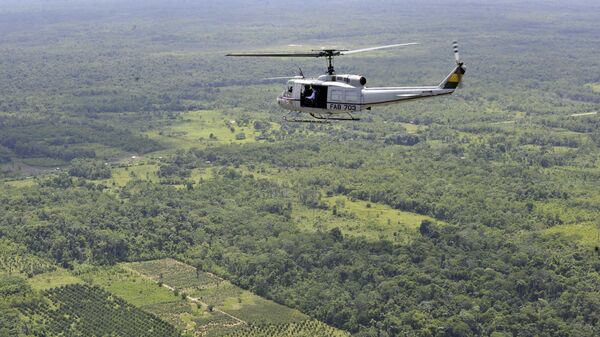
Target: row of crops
[[308, 328], [83, 310], [176, 274], [95, 310], [257, 316]]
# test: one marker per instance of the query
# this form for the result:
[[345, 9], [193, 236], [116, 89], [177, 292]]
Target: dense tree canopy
[[145, 142]]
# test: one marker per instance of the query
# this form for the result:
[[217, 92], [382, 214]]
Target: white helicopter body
[[331, 96]]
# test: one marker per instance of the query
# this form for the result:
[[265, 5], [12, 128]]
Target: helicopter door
[[313, 96]]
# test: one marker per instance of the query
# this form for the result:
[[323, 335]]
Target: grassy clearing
[[177, 313], [103, 152], [122, 175], [57, 278], [595, 87], [412, 128], [106, 152], [268, 172], [563, 149], [203, 128], [567, 213], [129, 285], [360, 218], [205, 173], [216, 295], [29, 182], [255, 309], [204, 321], [381, 213], [586, 234]]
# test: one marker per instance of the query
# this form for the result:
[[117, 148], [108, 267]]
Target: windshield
[[289, 89]]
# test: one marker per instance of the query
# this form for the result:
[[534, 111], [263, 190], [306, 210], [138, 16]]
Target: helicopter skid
[[319, 118], [298, 120]]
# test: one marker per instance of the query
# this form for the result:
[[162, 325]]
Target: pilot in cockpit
[[312, 95]]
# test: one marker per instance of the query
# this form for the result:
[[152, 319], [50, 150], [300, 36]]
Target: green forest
[[126, 138]]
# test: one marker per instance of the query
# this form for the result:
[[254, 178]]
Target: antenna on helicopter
[[329, 54]]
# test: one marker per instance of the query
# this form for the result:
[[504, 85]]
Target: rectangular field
[[83, 310], [360, 219], [146, 294], [178, 275], [211, 290]]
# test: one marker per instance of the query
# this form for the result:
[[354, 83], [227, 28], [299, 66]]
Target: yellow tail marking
[[454, 78]]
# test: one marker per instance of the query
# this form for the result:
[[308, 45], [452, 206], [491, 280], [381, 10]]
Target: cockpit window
[[289, 90]]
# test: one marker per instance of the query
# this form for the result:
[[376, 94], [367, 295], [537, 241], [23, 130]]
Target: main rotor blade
[[377, 48], [283, 78], [276, 54]]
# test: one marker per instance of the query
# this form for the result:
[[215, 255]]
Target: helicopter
[[332, 97]]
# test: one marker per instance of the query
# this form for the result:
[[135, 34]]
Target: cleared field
[[587, 234], [103, 151], [122, 175], [178, 275], [311, 328], [146, 294], [197, 303], [360, 218], [85, 300], [212, 290], [247, 306], [201, 173], [192, 318], [595, 87], [129, 285], [567, 213], [412, 128], [82, 310], [203, 128], [29, 182], [57, 278]]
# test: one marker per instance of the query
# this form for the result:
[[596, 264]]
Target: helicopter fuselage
[[347, 94], [330, 95]]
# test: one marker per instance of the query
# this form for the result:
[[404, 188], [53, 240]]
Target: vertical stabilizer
[[453, 79]]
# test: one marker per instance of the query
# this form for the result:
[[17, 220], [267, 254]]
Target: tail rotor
[[456, 54], [453, 80], [459, 63]]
